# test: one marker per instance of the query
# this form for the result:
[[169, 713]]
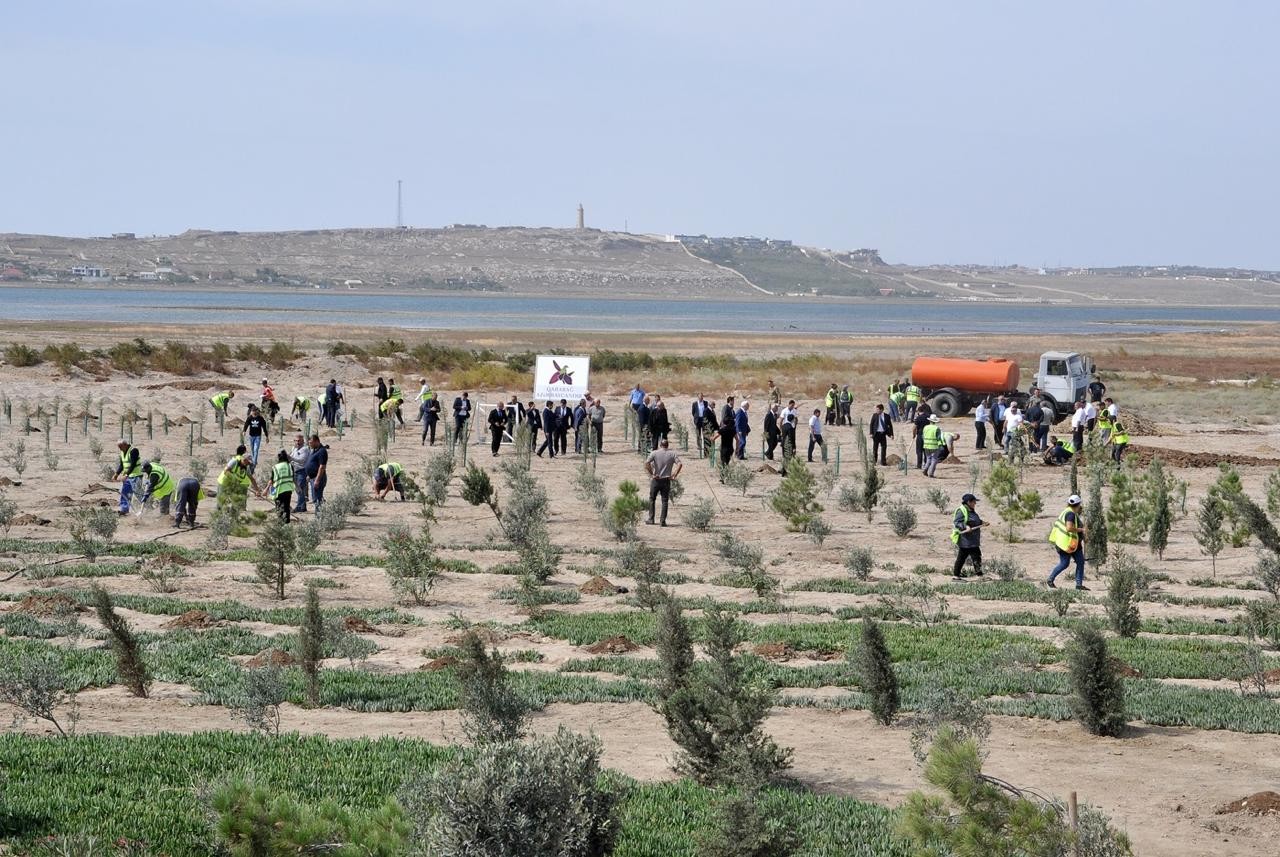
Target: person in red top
[[269, 403]]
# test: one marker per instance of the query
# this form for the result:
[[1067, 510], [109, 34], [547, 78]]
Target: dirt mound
[[892, 459], [823, 655], [1124, 669], [196, 385], [774, 651], [618, 645], [598, 585], [1176, 458], [488, 636], [234, 422], [63, 500], [6, 481], [1258, 803], [56, 604], [271, 658], [169, 558], [1137, 424], [31, 521], [356, 625], [441, 663], [194, 619]]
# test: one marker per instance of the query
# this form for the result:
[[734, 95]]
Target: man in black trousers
[[881, 429], [772, 432]]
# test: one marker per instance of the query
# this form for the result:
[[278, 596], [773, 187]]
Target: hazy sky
[[1042, 133]]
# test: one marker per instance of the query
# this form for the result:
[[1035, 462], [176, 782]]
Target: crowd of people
[[299, 475]]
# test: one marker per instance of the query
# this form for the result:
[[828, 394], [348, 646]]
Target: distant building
[[89, 272], [884, 293], [149, 276], [12, 273], [124, 236]]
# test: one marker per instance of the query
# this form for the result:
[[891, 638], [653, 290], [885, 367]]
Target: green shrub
[[902, 518], [544, 798], [311, 644], [252, 821], [262, 692], [1128, 578], [699, 516], [1098, 690], [625, 511], [411, 562], [795, 497], [17, 354], [744, 827], [1004, 567], [860, 561], [492, 710], [277, 552]]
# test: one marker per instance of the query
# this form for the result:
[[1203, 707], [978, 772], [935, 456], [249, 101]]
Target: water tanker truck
[[953, 386]]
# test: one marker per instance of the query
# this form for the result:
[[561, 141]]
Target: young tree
[[1123, 515], [1098, 700], [795, 497], [744, 827], [492, 710], [1161, 514], [252, 820], [1122, 595], [715, 715], [875, 672], [477, 488], [129, 660], [1230, 490], [311, 637], [1209, 532], [643, 564], [1014, 506], [1095, 520], [411, 562], [276, 554], [625, 510], [36, 687]]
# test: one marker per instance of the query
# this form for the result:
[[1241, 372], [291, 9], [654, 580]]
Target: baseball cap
[[1073, 500], [967, 497]]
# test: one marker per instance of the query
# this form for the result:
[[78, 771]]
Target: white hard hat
[[1073, 500], [933, 418]]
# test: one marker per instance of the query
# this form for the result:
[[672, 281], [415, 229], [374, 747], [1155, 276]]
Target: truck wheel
[[945, 405]]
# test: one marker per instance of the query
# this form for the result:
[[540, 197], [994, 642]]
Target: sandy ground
[[1162, 784]]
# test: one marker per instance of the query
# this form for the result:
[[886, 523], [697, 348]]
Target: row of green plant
[[137, 355]]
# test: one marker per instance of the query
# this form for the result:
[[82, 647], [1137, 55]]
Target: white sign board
[[557, 378]]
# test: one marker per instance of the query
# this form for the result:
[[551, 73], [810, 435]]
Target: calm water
[[194, 306]]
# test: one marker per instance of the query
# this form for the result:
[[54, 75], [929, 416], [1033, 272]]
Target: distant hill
[[539, 261]]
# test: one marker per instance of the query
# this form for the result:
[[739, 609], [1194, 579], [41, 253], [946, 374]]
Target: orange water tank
[[993, 375]]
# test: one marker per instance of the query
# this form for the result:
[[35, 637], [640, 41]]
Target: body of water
[[470, 312]]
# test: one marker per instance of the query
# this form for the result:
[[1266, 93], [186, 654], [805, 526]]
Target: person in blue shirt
[[742, 427], [637, 397]]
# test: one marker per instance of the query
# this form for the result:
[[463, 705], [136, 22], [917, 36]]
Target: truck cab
[[1064, 378]]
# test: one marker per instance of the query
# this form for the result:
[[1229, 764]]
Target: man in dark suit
[[533, 419], [881, 429], [659, 425], [710, 430], [497, 425], [579, 424], [772, 432], [548, 428], [461, 413], [726, 413], [562, 415], [643, 412]]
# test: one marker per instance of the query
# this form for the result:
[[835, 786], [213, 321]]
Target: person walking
[[282, 485], [815, 433], [659, 424], [700, 411], [775, 395], [1012, 427], [430, 413], [742, 428], [580, 425], [562, 416], [188, 497], [258, 429], [317, 470], [497, 424], [268, 401], [772, 433], [1078, 420], [966, 535], [829, 402], [644, 411], [933, 443], [881, 429], [387, 478], [548, 429], [298, 457], [726, 413], [129, 472], [637, 398], [461, 414], [844, 403], [918, 423], [789, 420], [663, 465], [1067, 538]]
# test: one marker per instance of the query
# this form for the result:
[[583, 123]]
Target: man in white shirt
[[1077, 426], [298, 458], [1090, 415], [815, 432], [981, 417], [788, 419], [1113, 409], [1012, 422]]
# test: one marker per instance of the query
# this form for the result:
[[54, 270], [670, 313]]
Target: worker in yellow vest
[[1067, 538], [128, 471], [1119, 441], [830, 404], [301, 407], [159, 485], [387, 477], [235, 480], [914, 396], [282, 485], [220, 401], [934, 443]]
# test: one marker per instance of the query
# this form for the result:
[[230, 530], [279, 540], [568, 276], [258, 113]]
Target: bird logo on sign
[[562, 375]]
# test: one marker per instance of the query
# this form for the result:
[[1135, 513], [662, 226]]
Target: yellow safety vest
[[1069, 446], [302, 403], [282, 478], [219, 400], [164, 485], [390, 405], [955, 534], [914, 393], [234, 477], [125, 469], [391, 470], [1061, 537], [1119, 436], [932, 437]]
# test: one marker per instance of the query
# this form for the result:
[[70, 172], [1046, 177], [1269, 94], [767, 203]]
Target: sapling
[[1015, 506], [35, 686], [17, 456], [874, 666], [130, 664], [1209, 533], [277, 553], [311, 639]]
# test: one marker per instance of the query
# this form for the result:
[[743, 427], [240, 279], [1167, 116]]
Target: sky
[[1085, 133]]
